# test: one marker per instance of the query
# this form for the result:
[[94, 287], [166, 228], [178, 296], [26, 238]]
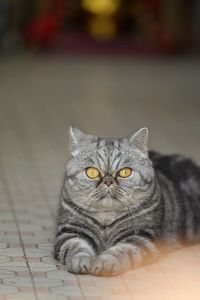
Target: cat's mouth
[[108, 194], [107, 201]]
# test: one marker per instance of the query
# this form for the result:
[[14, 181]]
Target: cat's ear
[[76, 138], [140, 139]]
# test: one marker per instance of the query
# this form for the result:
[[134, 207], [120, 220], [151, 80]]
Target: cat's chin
[[108, 204]]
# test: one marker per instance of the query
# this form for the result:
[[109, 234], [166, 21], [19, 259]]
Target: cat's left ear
[[140, 140]]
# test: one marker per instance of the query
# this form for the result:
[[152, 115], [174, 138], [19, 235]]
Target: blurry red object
[[42, 30]]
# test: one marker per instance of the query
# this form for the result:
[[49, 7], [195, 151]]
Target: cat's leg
[[122, 257], [75, 253]]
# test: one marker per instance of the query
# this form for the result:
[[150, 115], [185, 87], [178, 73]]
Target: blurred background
[[108, 67], [100, 26]]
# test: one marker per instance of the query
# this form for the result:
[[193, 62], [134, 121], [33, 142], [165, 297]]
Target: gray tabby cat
[[119, 201]]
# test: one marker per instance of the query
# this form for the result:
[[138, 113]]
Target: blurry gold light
[[106, 7], [102, 28]]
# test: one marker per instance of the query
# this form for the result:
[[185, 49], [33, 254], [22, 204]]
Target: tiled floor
[[39, 98]]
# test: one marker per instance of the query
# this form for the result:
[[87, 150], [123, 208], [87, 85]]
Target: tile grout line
[[126, 287], [30, 159], [18, 229], [43, 193], [4, 179]]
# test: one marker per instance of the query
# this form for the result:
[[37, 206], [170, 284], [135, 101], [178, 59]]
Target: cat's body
[[111, 223]]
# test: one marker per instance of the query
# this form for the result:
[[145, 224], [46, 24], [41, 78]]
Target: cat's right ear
[[79, 139], [75, 137]]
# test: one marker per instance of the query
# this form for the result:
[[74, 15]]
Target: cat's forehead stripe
[[108, 154], [108, 144], [115, 161], [102, 160]]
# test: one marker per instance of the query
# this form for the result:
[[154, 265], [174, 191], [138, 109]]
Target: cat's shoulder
[[165, 160], [174, 165]]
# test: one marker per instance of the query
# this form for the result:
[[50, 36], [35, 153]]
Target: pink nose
[[108, 182]]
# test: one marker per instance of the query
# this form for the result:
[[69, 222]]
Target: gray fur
[[105, 230]]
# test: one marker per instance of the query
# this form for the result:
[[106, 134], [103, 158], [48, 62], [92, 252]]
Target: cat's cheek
[[83, 181], [92, 183], [70, 168], [70, 182], [73, 185], [77, 183]]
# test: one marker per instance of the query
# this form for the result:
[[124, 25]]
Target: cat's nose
[[108, 181]]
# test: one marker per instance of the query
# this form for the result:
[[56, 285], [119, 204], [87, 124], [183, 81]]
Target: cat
[[120, 202]]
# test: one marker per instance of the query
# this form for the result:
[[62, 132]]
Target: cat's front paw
[[79, 264], [106, 265]]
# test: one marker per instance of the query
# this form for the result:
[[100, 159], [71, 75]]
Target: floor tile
[[39, 98]]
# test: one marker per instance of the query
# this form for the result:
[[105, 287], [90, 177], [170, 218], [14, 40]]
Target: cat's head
[[108, 173]]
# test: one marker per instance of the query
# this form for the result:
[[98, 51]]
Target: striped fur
[[105, 230]]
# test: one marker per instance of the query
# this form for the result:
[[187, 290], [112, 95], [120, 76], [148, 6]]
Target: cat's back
[[177, 168], [184, 175]]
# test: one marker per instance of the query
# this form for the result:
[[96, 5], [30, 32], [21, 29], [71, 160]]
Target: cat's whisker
[[128, 210], [97, 192]]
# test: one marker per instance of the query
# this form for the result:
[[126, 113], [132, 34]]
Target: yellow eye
[[92, 172], [125, 172]]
